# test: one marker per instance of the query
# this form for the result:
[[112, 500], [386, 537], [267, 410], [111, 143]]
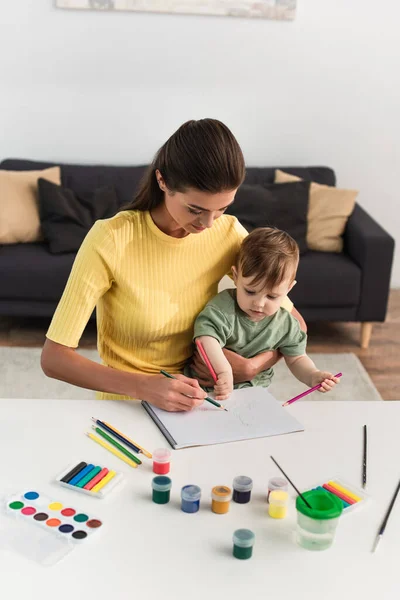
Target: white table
[[147, 551]]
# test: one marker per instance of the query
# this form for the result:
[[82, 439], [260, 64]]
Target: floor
[[381, 359]]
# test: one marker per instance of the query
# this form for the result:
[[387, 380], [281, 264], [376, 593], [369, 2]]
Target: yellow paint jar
[[278, 504], [221, 497]]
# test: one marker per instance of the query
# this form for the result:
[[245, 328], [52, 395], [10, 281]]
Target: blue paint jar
[[242, 487], [190, 495]]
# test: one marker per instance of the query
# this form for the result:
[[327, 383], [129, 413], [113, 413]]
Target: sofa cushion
[[271, 205], [66, 218], [30, 272], [326, 279], [83, 179], [329, 209], [19, 211]]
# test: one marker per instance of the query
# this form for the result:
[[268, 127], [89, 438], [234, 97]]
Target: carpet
[[22, 377]]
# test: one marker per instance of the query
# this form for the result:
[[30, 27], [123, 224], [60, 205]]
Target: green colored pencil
[[117, 445], [211, 400]]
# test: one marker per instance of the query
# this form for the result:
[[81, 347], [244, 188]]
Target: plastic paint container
[[277, 483], [221, 496], [190, 495], [316, 526], [278, 503], [161, 486], [161, 461], [242, 487], [243, 542]]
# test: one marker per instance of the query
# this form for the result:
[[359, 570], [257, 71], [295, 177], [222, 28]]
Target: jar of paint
[[278, 504], [243, 542], [277, 483], [242, 487], [221, 496], [161, 486], [161, 461], [316, 526], [190, 496]]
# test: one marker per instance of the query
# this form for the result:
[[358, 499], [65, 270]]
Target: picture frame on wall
[[265, 9]]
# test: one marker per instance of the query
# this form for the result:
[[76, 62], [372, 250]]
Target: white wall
[[111, 87]]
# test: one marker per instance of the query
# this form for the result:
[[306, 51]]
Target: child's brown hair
[[268, 256]]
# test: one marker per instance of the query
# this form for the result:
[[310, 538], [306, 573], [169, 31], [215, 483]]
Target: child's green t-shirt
[[223, 320]]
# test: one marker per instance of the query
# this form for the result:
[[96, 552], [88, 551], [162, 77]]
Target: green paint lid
[[244, 538], [324, 505], [161, 483]]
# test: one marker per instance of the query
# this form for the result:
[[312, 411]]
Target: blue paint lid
[[191, 493], [242, 483]]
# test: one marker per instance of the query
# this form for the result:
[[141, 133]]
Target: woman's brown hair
[[203, 155]]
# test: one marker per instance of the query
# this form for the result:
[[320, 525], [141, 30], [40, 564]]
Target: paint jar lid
[[277, 483], [161, 483], [191, 493], [244, 538], [278, 498], [324, 505], [162, 455], [221, 493], [242, 483]]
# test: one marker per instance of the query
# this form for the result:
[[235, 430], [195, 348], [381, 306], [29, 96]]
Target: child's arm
[[305, 371], [221, 366]]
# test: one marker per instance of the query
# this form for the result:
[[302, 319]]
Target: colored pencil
[[316, 387], [117, 445], [124, 438], [206, 360], [74, 472], [364, 466], [291, 483], [385, 519], [111, 449], [206, 398], [96, 479], [117, 434], [104, 481]]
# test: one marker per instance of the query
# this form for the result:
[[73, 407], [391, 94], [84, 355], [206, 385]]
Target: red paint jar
[[161, 461]]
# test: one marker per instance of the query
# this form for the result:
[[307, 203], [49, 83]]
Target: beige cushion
[[19, 210], [328, 211]]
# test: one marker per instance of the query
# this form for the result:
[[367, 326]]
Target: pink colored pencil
[[316, 387], [206, 360], [96, 479]]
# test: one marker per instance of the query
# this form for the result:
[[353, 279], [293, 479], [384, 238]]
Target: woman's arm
[[64, 363]]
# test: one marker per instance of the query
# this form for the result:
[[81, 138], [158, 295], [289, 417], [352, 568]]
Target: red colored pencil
[[206, 360], [316, 387]]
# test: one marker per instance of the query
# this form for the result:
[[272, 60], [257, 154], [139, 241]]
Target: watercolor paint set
[[90, 479], [43, 529], [351, 496]]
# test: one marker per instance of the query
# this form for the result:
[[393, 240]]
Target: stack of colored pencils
[[110, 434]]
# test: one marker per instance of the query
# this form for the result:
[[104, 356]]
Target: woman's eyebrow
[[206, 209]]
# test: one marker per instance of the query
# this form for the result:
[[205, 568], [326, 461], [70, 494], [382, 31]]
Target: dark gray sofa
[[351, 286]]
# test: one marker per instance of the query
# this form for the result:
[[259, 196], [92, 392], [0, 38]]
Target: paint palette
[[351, 496], [90, 479], [52, 516]]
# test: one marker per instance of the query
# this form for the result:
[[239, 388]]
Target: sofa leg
[[366, 330]]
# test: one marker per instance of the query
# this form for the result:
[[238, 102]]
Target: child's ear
[[234, 274], [292, 285]]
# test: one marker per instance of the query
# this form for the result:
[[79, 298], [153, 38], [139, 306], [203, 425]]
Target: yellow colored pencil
[[344, 490], [111, 449], [103, 481], [145, 452]]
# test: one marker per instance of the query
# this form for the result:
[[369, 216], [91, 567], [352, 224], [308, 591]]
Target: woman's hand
[[326, 379], [180, 394], [244, 369]]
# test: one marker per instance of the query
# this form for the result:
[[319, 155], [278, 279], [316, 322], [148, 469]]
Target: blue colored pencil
[[117, 435]]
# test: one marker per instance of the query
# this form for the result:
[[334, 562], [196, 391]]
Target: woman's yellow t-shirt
[[148, 288]]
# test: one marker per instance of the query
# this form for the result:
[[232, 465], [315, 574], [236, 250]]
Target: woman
[[150, 270]]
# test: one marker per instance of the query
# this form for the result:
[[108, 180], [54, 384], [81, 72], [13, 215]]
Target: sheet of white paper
[[252, 413]]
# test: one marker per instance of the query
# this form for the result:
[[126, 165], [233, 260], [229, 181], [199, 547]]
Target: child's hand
[[326, 379], [224, 386]]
